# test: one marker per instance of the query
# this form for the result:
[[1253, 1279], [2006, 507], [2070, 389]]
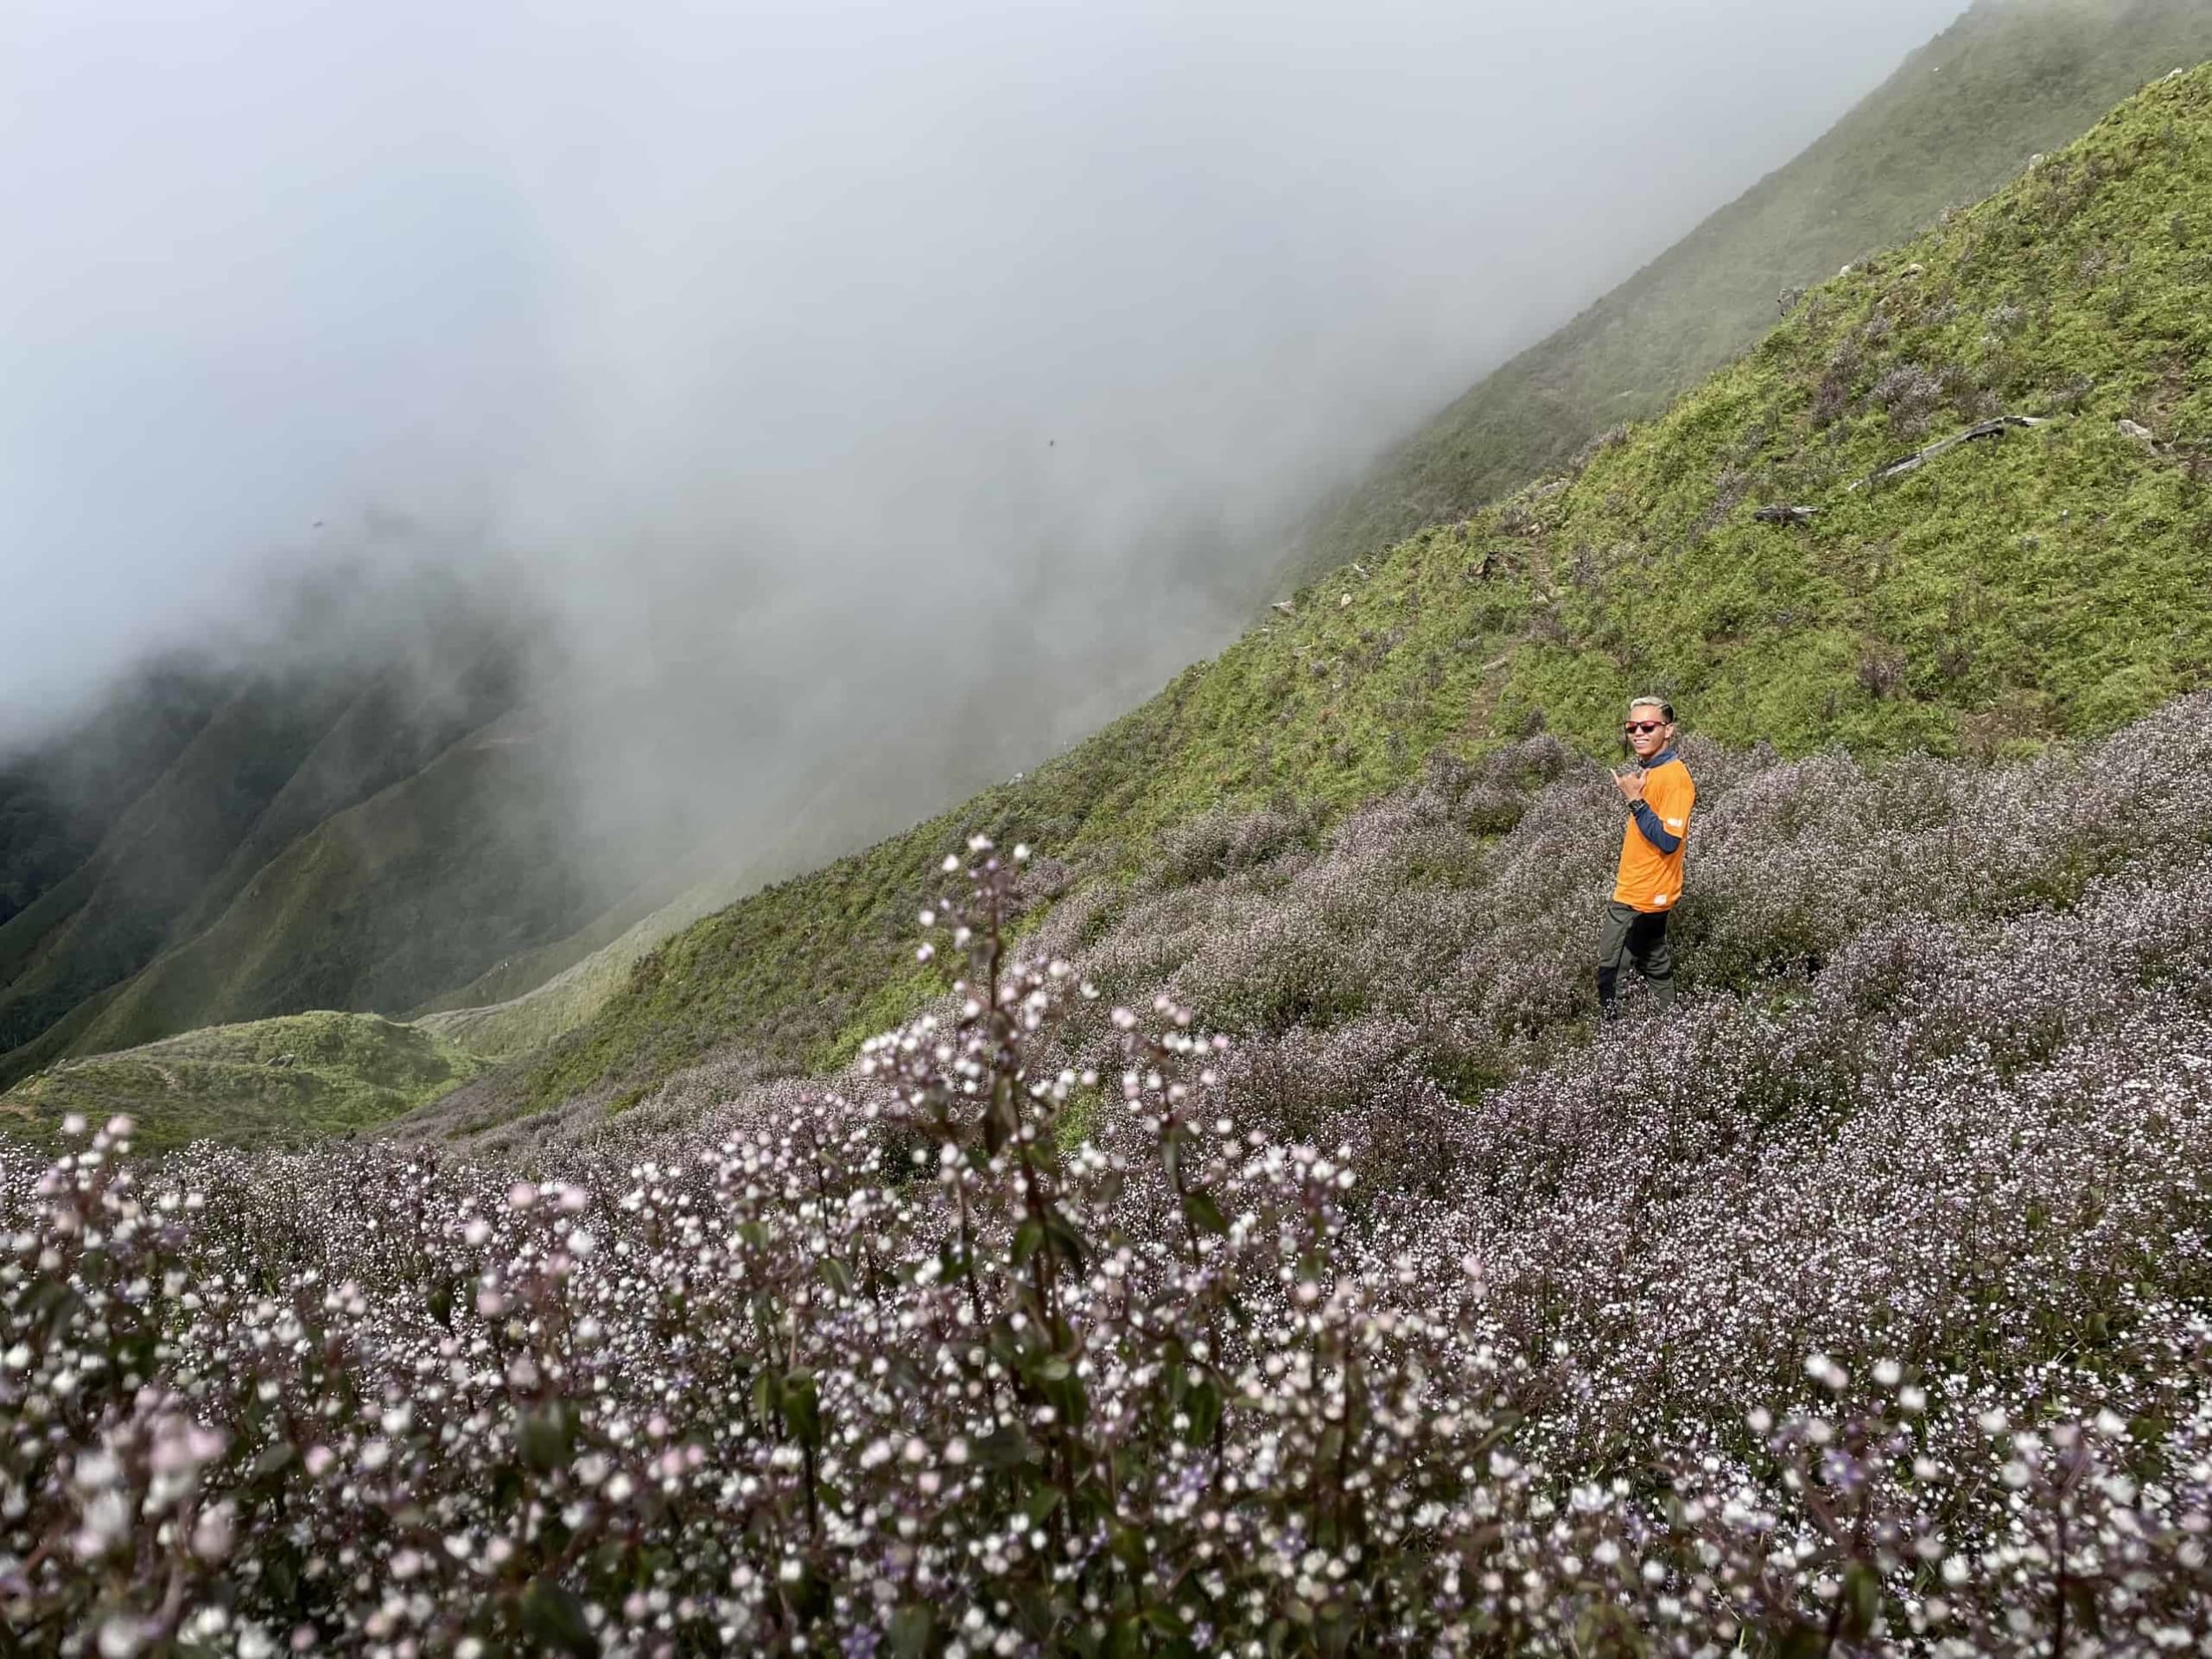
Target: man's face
[[1648, 731]]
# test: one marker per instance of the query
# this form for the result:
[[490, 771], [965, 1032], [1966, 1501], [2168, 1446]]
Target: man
[[1659, 794]]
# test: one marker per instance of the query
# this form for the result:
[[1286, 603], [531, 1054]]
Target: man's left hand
[[1631, 785]]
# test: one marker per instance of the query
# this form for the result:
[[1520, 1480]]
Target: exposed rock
[[1919, 458]]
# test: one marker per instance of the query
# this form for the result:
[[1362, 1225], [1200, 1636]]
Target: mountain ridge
[[342, 713], [237, 950], [2020, 591], [2026, 75]]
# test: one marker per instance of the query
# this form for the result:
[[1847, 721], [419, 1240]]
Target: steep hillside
[[1863, 1313], [203, 848], [2042, 583], [2011, 79], [357, 815], [1263, 1247], [533, 996], [359, 913], [110, 915], [567, 982], [407, 715], [58, 797], [274, 1082]]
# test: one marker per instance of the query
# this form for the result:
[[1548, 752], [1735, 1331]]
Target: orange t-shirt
[[1650, 879]]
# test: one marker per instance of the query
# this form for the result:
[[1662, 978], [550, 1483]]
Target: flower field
[[1270, 1256]]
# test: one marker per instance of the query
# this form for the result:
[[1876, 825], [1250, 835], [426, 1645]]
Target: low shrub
[[1859, 1309], [907, 1369]]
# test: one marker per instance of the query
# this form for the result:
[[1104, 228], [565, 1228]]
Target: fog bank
[[874, 396]]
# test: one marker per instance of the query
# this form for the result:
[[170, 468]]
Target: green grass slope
[[359, 913], [567, 982], [2043, 585], [402, 720], [114, 913], [2011, 79], [332, 817], [59, 795], [527, 1000], [281, 1082], [281, 751], [179, 863], [372, 823]]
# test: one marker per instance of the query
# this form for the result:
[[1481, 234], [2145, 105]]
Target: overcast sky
[[783, 337]]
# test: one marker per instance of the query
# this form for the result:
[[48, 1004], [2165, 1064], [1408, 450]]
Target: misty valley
[[1039, 865]]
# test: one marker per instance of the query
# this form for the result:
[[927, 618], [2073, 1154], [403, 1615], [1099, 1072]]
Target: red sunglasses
[[1644, 726]]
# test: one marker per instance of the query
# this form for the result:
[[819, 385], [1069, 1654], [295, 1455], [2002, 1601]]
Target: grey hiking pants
[[1633, 936]]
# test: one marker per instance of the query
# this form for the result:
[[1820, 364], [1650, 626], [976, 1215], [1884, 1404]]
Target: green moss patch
[[286, 1081]]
